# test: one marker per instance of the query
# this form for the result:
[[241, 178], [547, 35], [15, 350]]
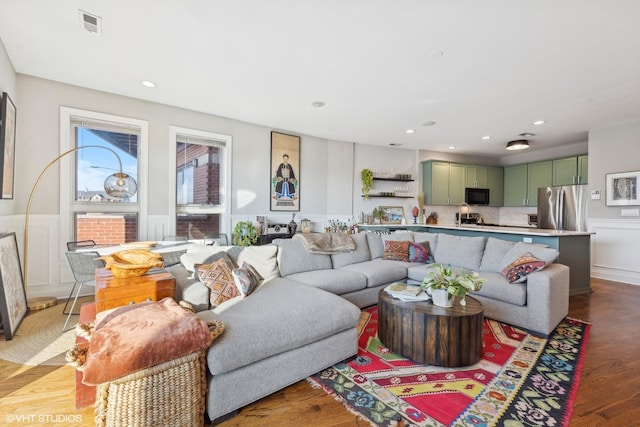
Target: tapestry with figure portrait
[[285, 172]]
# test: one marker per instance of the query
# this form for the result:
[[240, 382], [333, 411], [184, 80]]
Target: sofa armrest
[[548, 297], [189, 289]]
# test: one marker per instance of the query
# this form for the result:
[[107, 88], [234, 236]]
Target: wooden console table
[[426, 333]]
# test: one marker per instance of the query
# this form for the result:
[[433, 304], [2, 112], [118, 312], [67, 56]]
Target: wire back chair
[[216, 239], [83, 266], [72, 246]]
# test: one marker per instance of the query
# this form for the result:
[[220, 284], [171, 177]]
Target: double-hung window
[[202, 184], [99, 140]]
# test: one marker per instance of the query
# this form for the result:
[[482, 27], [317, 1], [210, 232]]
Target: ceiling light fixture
[[486, 137], [539, 122], [452, 147], [518, 144], [410, 131], [429, 123], [318, 104], [148, 83], [394, 144], [526, 134]]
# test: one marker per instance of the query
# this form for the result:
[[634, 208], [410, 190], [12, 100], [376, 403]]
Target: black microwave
[[476, 196]]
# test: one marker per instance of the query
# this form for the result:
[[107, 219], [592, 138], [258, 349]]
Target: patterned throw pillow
[[208, 262], [246, 278], [420, 252], [219, 279], [517, 271], [396, 250]]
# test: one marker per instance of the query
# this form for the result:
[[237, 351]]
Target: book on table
[[407, 292]]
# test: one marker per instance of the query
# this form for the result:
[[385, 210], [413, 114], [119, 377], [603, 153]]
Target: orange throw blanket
[[136, 337]]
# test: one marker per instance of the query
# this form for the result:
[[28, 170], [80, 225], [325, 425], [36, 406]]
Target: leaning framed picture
[[285, 172], [622, 188], [7, 145], [392, 214], [13, 298]]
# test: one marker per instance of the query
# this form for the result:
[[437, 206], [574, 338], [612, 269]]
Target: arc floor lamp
[[118, 185]]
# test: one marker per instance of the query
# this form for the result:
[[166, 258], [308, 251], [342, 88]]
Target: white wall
[[616, 244]]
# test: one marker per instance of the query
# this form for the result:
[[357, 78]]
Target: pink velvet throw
[[135, 337]]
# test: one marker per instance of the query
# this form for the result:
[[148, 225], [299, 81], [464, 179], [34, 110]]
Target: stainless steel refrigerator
[[563, 207]]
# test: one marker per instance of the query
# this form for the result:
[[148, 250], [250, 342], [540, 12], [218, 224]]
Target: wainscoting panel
[[614, 249]]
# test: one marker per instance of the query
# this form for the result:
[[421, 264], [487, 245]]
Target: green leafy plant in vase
[[245, 234], [367, 182], [442, 279]]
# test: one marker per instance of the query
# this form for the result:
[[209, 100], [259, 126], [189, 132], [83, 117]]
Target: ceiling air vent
[[89, 22]]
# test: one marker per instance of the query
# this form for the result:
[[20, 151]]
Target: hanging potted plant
[[245, 234], [443, 285], [367, 182]]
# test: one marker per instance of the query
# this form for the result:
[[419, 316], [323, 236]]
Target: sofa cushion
[[360, 254], [396, 250], [218, 277], [494, 251], [263, 258], [541, 252], [518, 270], [420, 252], [294, 258], [278, 317], [498, 288], [460, 251], [336, 281], [246, 279], [379, 271], [422, 236]]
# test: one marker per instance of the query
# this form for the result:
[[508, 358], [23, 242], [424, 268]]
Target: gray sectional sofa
[[303, 316]]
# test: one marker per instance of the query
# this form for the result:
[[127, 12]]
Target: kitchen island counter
[[574, 246]]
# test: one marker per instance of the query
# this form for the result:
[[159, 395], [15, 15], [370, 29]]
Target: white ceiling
[[505, 64]]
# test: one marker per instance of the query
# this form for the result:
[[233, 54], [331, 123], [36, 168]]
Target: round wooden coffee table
[[426, 333]]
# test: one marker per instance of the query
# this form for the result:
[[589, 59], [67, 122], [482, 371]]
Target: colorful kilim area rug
[[521, 380]]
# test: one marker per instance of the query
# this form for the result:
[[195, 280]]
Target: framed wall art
[[392, 214], [285, 172], [13, 298], [622, 188], [7, 145]]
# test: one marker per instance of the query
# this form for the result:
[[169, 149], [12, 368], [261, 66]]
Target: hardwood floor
[[608, 394]]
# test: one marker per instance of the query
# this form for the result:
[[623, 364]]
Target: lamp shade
[[518, 144], [120, 185]]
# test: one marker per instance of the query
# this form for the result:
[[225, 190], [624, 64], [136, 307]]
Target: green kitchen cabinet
[[442, 183], [570, 170], [521, 183], [495, 179], [475, 176]]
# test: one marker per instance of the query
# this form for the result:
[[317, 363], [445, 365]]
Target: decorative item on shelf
[[245, 234], [432, 218], [367, 182], [292, 226], [377, 214], [442, 278], [415, 211], [305, 226]]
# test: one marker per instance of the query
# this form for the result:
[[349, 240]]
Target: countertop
[[484, 228]]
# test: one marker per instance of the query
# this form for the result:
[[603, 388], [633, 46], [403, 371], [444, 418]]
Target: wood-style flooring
[[608, 395]]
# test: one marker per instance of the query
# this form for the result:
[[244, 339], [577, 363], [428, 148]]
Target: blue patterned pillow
[[246, 278], [420, 252]]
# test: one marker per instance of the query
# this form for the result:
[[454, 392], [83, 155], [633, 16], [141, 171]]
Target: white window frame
[[68, 204], [225, 208]]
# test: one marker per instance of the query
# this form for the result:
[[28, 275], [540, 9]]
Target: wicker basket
[[168, 394]]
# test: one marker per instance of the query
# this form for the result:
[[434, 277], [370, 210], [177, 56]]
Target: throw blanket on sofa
[[327, 243]]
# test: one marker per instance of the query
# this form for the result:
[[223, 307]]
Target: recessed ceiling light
[[410, 131], [429, 123], [452, 147], [539, 122], [486, 137], [394, 144], [318, 104], [148, 83], [435, 55]]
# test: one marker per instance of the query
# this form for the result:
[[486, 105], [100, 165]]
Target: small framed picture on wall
[[622, 188]]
